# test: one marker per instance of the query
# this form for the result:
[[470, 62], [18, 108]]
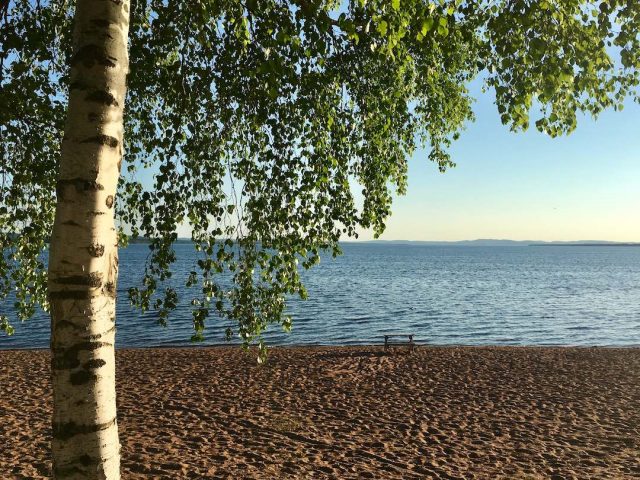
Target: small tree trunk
[[83, 262]]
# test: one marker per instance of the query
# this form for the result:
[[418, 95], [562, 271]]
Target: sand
[[341, 413]]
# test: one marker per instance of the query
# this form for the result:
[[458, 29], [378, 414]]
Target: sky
[[527, 186]]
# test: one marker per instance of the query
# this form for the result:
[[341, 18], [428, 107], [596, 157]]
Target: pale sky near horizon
[[527, 186]]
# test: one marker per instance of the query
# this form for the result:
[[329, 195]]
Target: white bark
[[83, 262]]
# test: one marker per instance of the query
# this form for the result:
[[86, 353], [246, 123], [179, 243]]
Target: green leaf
[[427, 25], [382, 28]]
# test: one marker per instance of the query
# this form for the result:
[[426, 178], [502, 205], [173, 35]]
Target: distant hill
[[481, 242], [484, 242], [148, 240]]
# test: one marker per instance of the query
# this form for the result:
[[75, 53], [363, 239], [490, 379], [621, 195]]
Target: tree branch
[[4, 9]]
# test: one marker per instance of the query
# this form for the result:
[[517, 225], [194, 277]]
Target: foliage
[[34, 43], [261, 122]]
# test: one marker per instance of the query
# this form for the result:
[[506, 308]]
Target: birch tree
[[271, 128], [83, 259]]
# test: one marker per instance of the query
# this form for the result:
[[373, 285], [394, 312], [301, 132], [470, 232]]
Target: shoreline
[[349, 412], [356, 346]]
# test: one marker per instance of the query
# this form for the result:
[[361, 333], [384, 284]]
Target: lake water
[[444, 295]]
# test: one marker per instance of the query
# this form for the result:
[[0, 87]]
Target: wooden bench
[[389, 342]]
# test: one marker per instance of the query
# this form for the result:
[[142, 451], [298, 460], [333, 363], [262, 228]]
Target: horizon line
[[351, 240]]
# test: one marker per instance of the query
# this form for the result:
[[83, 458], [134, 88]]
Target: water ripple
[[444, 295]]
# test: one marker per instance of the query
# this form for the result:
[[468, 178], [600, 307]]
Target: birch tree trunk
[[83, 262]]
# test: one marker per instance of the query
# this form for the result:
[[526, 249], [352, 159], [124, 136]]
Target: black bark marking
[[94, 364], [96, 250], [93, 117], [110, 289], [71, 469], [91, 55], [67, 471], [64, 362], [93, 279], [94, 213], [109, 201], [100, 22], [79, 85], [100, 96], [81, 185], [98, 336], [67, 358], [92, 185], [67, 323], [71, 223], [81, 377], [67, 430], [105, 140], [64, 365], [71, 295]]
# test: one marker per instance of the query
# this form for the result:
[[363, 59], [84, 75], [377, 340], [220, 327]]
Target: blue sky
[[527, 186]]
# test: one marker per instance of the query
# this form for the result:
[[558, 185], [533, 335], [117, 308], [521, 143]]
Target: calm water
[[445, 295]]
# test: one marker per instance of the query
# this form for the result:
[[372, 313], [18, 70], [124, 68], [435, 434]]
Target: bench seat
[[397, 343]]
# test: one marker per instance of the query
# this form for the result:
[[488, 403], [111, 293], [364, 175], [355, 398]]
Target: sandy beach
[[342, 413]]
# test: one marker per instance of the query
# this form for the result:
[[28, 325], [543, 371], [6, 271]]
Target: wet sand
[[350, 413]]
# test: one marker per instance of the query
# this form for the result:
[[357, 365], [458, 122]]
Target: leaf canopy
[[274, 127]]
